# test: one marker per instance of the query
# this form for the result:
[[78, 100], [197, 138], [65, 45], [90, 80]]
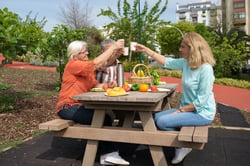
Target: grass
[[10, 144]]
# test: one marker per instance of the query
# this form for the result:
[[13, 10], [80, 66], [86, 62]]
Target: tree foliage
[[230, 55], [18, 36], [9, 32], [170, 38], [229, 49], [133, 25]]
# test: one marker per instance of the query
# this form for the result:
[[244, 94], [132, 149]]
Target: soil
[[32, 96]]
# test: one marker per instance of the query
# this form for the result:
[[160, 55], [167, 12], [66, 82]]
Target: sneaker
[[115, 159], [103, 157], [180, 154]]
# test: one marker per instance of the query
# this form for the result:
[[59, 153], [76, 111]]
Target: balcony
[[194, 15], [239, 21], [182, 17]]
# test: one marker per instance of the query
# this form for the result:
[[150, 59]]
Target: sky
[[50, 9]]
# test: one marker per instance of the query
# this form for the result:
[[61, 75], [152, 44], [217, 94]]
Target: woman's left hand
[[177, 111]]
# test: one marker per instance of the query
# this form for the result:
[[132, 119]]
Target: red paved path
[[235, 97]]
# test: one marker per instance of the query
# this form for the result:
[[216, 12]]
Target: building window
[[194, 19], [238, 5], [240, 15]]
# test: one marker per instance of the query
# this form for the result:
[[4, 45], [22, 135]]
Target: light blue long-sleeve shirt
[[197, 86]]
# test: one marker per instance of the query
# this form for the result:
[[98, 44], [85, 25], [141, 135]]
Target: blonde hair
[[200, 52], [75, 48]]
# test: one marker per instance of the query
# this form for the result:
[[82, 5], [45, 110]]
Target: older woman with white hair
[[79, 77]]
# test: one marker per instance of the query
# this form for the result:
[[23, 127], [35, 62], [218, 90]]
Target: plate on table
[[117, 95], [160, 90], [97, 90]]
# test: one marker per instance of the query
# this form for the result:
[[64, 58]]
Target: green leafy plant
[[156, 76], [127, 23], [5, 87], [6, 103]]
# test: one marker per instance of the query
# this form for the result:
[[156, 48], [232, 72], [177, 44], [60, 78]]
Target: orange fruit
[[125, 83], [143, 87]]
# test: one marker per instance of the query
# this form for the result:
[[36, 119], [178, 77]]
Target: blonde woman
[[197, 105]]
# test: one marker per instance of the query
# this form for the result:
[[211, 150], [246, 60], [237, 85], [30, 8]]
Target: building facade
[[236, 13], [201, 12]]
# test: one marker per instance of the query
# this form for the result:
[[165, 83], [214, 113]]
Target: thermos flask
[[120, 75]]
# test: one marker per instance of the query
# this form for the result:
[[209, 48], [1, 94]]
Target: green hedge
[[233, 82]]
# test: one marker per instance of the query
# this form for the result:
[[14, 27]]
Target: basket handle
[[147, 69]]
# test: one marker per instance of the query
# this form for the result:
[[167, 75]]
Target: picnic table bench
[[189, 136], [143, 103]]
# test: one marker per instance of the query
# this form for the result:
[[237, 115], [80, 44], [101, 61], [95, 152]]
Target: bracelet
[[181, 110]]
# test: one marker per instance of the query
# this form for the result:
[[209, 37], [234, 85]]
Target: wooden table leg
[[156, 151], [91, 147], [129, 119]]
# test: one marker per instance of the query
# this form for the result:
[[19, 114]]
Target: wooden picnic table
[[144, 103]]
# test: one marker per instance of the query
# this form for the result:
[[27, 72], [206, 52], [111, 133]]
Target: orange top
[[78, 77]]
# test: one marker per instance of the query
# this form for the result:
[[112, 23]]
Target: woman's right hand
[[112, 50], [140, 48], [119, 45]]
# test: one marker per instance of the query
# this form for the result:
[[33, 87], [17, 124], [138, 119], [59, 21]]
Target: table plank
[[200, 134], [128, 135], [186, 134], [56, 124], [133, 96]]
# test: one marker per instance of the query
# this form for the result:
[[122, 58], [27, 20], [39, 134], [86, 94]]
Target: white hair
[[75, 47]]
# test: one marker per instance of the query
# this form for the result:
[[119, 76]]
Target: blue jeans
[[165, 120], [80, 114]]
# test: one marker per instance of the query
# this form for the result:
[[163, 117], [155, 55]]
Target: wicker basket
[[134, 79]]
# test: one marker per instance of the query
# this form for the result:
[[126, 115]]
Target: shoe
[[114, 159], [180, 154], [103, 157]]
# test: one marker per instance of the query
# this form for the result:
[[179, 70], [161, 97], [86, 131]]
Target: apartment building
[[201, 12], [236, 13]]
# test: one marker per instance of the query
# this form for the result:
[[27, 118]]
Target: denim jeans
[[80, 114], [166, 120]]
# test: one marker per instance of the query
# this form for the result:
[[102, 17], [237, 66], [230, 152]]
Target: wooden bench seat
[[56, 124], [193, 137], [194, 134]]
